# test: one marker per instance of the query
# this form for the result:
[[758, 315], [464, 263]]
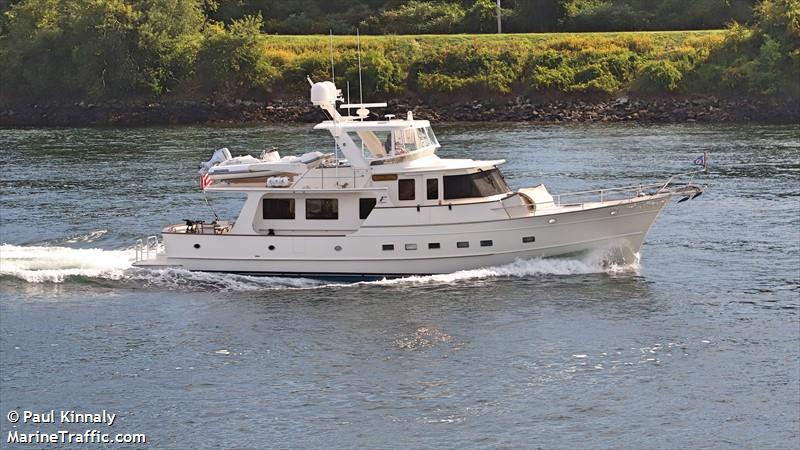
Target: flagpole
[[216, 217], [206, 181]]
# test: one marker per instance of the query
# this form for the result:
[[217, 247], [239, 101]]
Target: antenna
[[333, 72], [360, 90]]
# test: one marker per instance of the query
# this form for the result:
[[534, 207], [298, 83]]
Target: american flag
[[205, 181]]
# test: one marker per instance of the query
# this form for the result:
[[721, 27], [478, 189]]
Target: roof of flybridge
[[394, 124]]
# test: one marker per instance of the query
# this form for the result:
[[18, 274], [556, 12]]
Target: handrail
[[144, 247], [638, 189]]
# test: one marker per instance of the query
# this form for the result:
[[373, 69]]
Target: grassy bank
[[91, 51], [485, 65]]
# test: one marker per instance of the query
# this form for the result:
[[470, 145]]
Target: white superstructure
[[384, 204]]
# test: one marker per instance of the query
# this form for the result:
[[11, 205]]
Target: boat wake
[[54, 264], [588, 264], [38, 264]]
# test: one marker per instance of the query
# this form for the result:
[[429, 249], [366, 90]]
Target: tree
[[94, 49]]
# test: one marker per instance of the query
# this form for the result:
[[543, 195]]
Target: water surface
[[697, 346]]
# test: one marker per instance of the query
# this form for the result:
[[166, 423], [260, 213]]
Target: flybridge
[[372, 142]]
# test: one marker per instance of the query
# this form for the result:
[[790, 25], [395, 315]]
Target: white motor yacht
[[385, 205]]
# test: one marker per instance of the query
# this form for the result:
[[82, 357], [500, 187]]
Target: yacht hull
[[614, 232]]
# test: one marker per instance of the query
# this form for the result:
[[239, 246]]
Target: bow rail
[[688, 189]]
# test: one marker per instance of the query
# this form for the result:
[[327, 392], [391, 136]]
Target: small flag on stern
[[205, 181], [700, 160]]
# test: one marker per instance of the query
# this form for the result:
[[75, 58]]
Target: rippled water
[[698, 346]]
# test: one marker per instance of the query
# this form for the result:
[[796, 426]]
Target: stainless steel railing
[[146, 247]]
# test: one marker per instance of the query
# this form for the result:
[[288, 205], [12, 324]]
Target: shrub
[[491, 68], [417, 17], [658, 76], [378, 74], [595, 78], [232, 59], [93, 49]]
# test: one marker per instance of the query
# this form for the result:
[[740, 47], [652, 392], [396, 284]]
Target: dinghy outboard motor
[[220, 155]]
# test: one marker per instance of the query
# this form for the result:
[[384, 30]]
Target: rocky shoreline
[[518, 109]]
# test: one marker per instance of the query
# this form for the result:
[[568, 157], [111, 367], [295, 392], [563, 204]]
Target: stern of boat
[[150, 253]]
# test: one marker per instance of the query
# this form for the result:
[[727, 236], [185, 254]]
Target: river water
[[698, 345]]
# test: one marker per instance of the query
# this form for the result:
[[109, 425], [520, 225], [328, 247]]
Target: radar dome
[[323, 92]]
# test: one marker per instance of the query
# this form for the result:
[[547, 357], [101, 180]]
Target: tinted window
[[486, 243], [387, 247], [462, 244], [433, 245], [433, 188], [365, 206], [405, 190], [322, 208], [478, 184], [278, 208], [527, 239]]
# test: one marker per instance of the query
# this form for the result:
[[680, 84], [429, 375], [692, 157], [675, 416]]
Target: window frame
[[331, 215], [291, 209], [480, 184], [406, 181], [361, 207], [435, 186]]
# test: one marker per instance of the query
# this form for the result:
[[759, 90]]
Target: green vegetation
[[478, 16], [72, 50], [760, 60]]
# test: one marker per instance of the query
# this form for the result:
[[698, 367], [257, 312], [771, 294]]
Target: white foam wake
[[182, 279], [37, 264], [593, 263]]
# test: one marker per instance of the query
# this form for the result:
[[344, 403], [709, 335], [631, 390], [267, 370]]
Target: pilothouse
[[384, 204]]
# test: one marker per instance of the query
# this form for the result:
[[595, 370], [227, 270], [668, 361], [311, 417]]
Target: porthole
[[528, 239], [338, 248], [613, 213], [462, 244], [487, 243], [196, 245], [388, 247], [271, 247], [411, 246], [551, 220], [434, 245]]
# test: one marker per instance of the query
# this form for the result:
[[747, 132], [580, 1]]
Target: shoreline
[[605, 109]]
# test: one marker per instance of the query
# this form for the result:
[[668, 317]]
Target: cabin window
[[433, 188], [487, 243], [411, 246], [405, 141], [365, 206], [422, 138], [462, 244], [387, 247], [478, 184], [406, 189], [528, 239], [277, 208], [383, 141], [434, 245], [322, 209]]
